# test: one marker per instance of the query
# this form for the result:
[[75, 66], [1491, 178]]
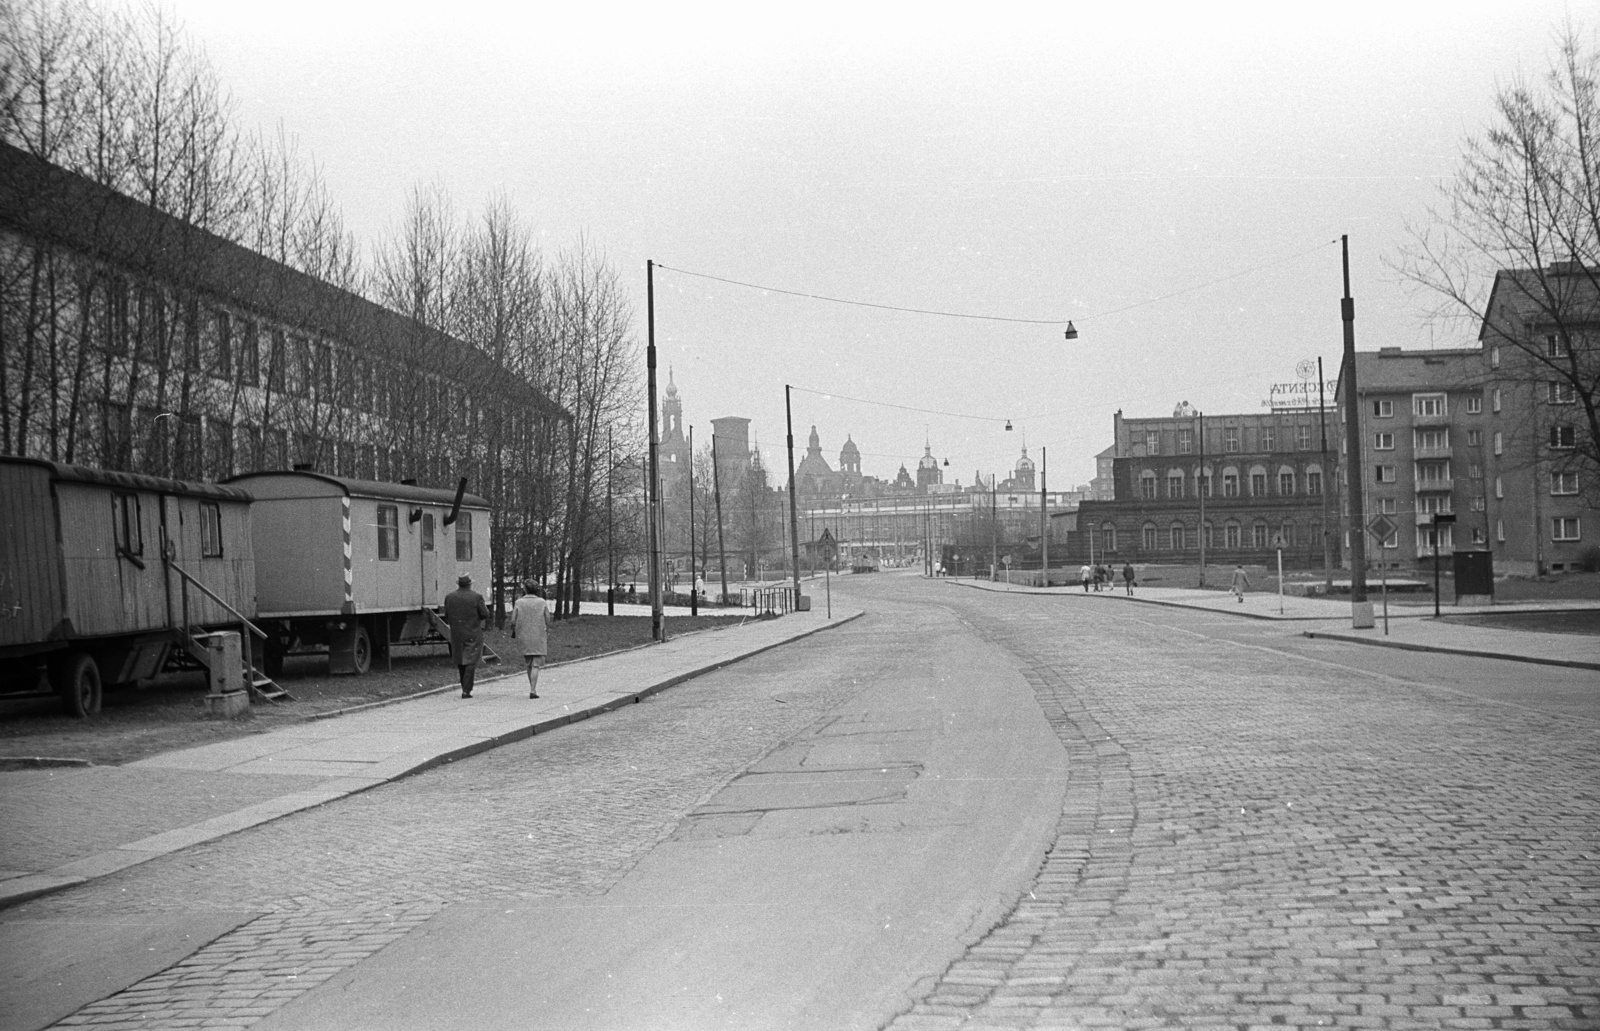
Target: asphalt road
[[966, 809]]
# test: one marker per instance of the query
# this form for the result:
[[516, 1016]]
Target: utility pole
[[694, 593], [1202, 485], [611, 528], [1044, 524], [1327, 482], [1360, 607], [658, 629], [994, 525], [716, 494], [794, 516]]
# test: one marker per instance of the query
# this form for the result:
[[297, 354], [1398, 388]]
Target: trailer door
[[431, 595]]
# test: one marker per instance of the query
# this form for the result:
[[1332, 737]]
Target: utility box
[[802, 603], [228, 696], [1474, 575]]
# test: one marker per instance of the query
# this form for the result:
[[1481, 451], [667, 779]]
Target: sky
[[1173, 178]]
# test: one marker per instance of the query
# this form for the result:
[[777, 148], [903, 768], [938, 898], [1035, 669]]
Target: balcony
[[1426, 518], [1432, 452], [1435, 486]]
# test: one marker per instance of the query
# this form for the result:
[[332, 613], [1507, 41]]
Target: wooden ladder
[[258, 683], [442, 628]]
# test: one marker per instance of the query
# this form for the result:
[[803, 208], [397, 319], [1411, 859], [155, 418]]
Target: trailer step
[[265, 688], [442, 628]]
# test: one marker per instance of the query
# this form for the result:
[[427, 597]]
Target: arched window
[[1231, 534], [1230, 482], [1258, 481], [1258, 534], [1147, 485], [1287, 530], [1177, 537], [1286, 481], [1174, 484], [1210, 540], [1108, 537], [1314, 480], [1150, 533]]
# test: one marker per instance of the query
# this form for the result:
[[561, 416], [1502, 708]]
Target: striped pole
[[349, 572]]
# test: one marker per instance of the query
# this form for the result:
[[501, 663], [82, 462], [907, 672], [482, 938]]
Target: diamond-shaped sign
[[1278, 541], [1382, 527]]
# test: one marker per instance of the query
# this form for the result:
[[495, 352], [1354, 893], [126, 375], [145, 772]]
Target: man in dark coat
[[467, 615]]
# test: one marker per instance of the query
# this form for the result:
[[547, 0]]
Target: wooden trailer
[[354, 566], [107, 578]]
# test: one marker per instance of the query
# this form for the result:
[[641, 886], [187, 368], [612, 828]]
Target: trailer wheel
[[79, 685], [361, 650]]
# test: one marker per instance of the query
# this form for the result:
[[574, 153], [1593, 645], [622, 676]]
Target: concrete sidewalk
[[65, 826], [1411, 627]]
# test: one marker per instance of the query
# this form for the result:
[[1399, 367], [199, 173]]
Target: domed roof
[[672, 388], [1024, 462], [849, 448], [927, 461]]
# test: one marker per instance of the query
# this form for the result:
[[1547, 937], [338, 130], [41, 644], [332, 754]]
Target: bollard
[[228, 696]]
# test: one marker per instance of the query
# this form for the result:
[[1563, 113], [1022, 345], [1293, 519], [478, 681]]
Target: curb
[[1446, 650], [100, 864], [1154, 601]]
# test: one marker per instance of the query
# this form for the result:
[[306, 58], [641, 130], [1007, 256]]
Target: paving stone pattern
[[565, 813], [1246, 843]]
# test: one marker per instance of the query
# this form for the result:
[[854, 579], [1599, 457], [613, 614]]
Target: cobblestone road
[[564, 813], [1251, 841]]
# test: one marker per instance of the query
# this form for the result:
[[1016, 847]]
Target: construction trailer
[[352, 567], [107, 578]]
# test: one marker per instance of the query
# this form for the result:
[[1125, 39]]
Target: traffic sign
[[1277, 540], [1382, 527]]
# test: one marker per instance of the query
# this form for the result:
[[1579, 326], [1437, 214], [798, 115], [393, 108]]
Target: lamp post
[[658, 629], [994, 526], [1044, 524], [694, 593], [794, 514], [1360, 607]]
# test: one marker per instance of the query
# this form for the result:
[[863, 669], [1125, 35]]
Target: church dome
[[849, 450], [927, 461], [1024, 462]]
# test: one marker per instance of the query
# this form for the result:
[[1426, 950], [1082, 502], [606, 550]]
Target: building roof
[[46, 202], [60, 471], [1393, 370], [378, 490]]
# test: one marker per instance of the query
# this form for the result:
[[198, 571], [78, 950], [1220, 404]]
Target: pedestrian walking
[[1083, 574], [1240, 584], [1127, 577], [467, 615], [530, 625]]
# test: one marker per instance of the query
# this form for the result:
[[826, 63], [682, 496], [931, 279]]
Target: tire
[[361, 651], [79, 685]]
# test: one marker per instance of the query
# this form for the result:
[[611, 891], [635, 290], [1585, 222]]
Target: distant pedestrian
[[1240, 584], [530, 625], [1127, 577], [467, 615], [1083, 574]]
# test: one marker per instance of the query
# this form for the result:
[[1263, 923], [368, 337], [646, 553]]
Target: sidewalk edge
[[1447, 650]]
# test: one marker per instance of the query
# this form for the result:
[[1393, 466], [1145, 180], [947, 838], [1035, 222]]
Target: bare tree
[[1513, 247]]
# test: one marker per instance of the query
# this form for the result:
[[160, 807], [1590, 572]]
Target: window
[[1426, 537], [1475, 405], [1432, 474], [1269, 438], [1383, 442], [1429, 405], [464, 537], [1431, 439], [1286, 483], [1258, 484], [1147, 486], [1108, 537], [1314, 482], [1176, 535], [1287, 532], [1232, 535], [1302, 437], [1383, 409], [1230, 485], [1563, 483], [1152, 442], [116, 321], [1565, 528], [427, 531], [388, 533], [1203, 484], [1474, 438], [1499, 489], [210, 530], [1174, 485], [1474, 471], [1500, 530], [1499, 442], [1385, 505], [128, 524], [1206, 531], [1560, 393], [1230, 438], [1563, 437], [1477, 535], [1428, 504], [1258, 535], [1495, 399], [1383, 474], [1150, 537], [1555, 347], [1185, 441], [1494, 357], [250, 355], [1476, 504]]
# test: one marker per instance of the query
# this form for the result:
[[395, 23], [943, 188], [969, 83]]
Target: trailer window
[[210, 530], [129, 528], [464, 537], [427, 531], [388, 533]]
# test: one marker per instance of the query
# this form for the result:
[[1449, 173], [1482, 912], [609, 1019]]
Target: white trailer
[[354, 566]]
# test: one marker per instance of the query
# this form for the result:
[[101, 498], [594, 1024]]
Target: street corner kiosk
[[109, 577], [354, 566]]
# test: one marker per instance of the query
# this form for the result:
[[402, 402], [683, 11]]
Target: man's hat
[[463, 580]]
